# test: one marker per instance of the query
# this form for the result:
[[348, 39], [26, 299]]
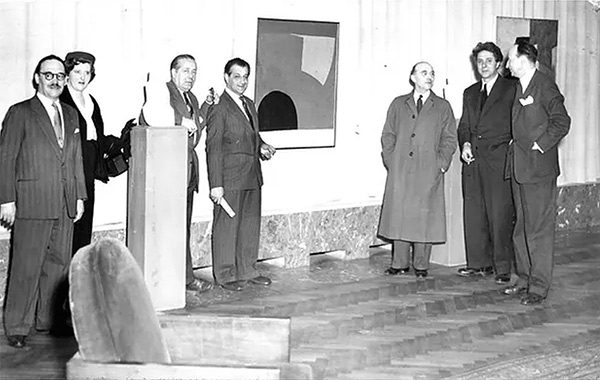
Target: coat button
[[413, 116], [410, 154], [413, 135]]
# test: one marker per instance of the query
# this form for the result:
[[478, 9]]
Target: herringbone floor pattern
[[350, 322]]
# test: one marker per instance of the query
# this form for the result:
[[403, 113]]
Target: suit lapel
[[494, 95], [46, 125], [236, 110]]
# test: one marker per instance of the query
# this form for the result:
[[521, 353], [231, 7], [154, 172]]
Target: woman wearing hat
[[80, 71]]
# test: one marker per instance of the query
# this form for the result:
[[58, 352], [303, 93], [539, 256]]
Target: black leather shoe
[[421, 273], [261, 280], [471, 272], [198, 286], [514, 291], [502, 279], [17, 341], [391, 271], [532, 299], [234, 286]]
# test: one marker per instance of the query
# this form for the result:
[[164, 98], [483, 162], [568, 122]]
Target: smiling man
[[483, 136], [234, 149], [42, 193], [418, 141]]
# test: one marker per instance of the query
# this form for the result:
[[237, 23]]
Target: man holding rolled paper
[[234, 149]]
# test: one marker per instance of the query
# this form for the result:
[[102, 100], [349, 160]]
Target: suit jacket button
[[413, 116], [413, 135], [410, 154]]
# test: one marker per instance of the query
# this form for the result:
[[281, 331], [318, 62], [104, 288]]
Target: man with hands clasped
[[483, 136], [234, 150]]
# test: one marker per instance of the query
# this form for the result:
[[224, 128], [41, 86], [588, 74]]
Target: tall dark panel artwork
[[541, 33]]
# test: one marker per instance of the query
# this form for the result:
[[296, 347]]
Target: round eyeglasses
[[49, 76]]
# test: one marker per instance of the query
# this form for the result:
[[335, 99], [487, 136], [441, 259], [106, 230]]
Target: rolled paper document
[[227, 208]]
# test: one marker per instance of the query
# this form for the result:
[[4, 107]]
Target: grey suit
[[45, 181], [233, 160]]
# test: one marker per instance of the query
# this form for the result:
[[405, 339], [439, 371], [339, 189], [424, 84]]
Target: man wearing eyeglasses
[[42, 193], [483, 137]]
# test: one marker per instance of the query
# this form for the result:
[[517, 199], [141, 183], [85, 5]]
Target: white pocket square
[[76, 130], [527, 101]]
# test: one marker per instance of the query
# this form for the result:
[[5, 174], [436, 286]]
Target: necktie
[[188, 103], [484, 96], [247, 111], [419, 103], [57, 124]]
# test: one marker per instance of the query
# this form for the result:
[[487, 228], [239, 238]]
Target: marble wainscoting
[[578, 207], [294, 236]]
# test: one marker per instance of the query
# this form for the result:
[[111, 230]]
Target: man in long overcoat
[[418, 140]]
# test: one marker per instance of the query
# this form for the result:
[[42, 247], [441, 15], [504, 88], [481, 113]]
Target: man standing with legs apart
[[483, 136], [418, 140], [539, 122], [234, 149], [42, 193]]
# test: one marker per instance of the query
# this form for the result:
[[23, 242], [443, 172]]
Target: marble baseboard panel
[[352, 230]]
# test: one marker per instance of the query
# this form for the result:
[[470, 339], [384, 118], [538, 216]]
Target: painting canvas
[[296, 75], [543, 34]]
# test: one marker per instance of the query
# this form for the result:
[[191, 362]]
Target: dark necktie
[[484, 96], [247, 111], [188, 104], [57, 124], [419, 103]]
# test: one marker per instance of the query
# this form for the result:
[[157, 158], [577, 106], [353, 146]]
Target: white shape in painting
[[317, 56]]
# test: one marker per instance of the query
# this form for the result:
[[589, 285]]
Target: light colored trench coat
[[415, 150]]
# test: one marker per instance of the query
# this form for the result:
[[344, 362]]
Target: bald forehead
[[423, 67]]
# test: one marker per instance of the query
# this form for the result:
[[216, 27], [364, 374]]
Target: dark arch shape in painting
[[277, 112]]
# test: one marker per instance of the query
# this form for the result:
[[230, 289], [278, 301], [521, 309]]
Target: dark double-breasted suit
[[90, 150], [198, 114], [45, 181], [538, 116], [233, 160], [488, 207]]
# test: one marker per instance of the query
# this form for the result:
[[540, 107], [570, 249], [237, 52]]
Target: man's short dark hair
[[528, 50], [488, 46], [233, 62], [176, 62], [39, 67]]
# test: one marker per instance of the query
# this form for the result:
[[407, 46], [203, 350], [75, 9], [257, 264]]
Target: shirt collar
[[526, 79], [425, 96], [489, 84], [46, 101]]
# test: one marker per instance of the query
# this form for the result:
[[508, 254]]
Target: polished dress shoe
[[391, 271], [532, 299], [198, 286], [514, 291], [17, 341], [502, 279], [261, 280], [471, 272], [421, 273], [234, 286]]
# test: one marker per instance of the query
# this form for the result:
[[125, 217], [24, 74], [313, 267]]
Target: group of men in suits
[[508, 137], [509, 134], [234, 150]]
